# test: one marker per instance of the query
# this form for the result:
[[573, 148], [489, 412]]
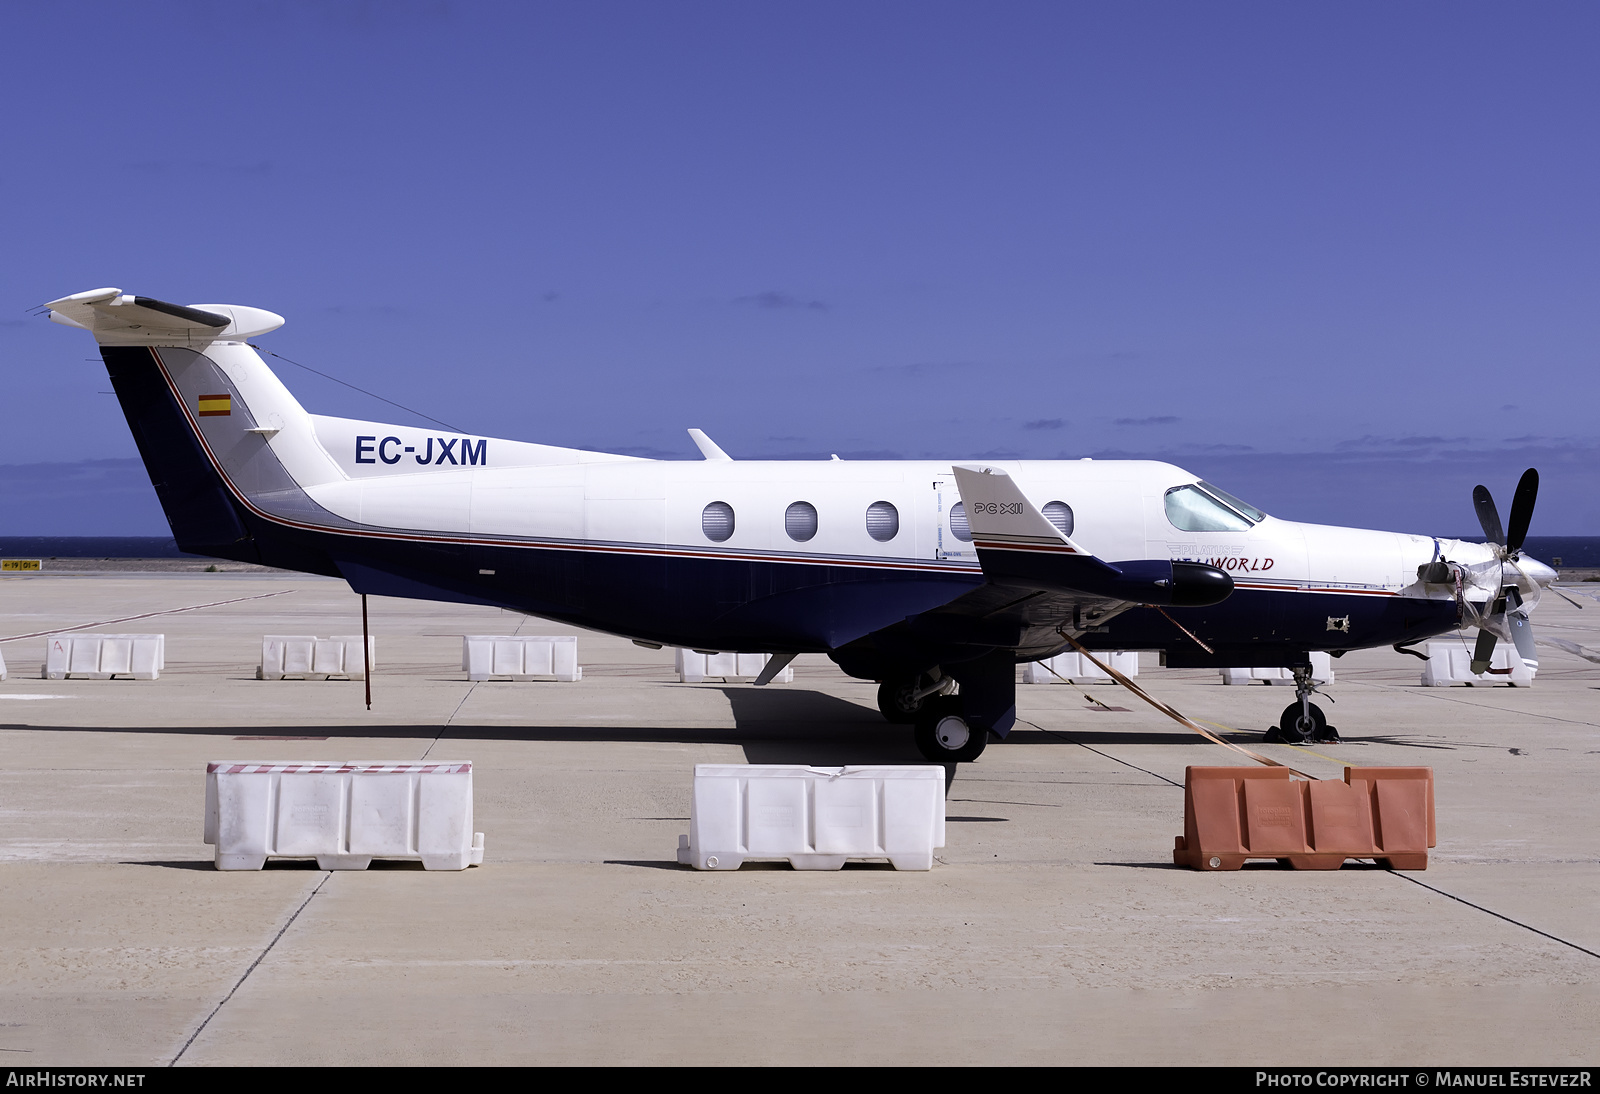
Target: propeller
[[1507, 616]]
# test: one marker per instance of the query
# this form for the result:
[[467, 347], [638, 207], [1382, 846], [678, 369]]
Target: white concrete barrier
[[301, 656], [342, 814], [521, 657], [2, 667], [1450, 663], [1075, 668], [103, 656], [816, 817], [1321, 673], [733, 668]]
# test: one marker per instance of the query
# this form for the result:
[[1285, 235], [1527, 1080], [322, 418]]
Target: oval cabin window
[[716, 521], [1059, 513], [958, 523], [883, 521], [800, 521]]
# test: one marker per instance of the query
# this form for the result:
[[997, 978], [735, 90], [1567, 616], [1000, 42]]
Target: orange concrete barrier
[[1231, 814]]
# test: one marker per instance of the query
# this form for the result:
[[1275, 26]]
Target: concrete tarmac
[[1054, 929]]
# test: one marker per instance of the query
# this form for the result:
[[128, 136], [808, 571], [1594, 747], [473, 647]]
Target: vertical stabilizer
[[223, 440]]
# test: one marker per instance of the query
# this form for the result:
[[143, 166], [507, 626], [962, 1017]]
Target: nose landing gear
[[1302, 721]]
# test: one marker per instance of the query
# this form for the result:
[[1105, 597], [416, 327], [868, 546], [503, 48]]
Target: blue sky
[[1344, 259]]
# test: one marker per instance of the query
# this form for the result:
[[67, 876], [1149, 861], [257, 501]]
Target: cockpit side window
[[1194, 510]]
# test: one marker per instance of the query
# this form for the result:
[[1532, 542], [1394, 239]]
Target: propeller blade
[[1521, 630], [1522, 509], [1522, 634], [1483, 653], [1488, 515]]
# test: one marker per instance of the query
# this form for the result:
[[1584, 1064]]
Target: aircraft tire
[[943, 735], [1293, 731], [895, 702]]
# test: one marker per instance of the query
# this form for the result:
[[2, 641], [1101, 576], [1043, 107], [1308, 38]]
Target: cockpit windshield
[[1255, 515], [1203, 508]]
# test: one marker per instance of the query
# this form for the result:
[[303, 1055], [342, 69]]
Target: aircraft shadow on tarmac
[[1075, 736], [773, 726]]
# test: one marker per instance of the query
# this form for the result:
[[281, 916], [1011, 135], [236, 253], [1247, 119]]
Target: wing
[[1039, 586]]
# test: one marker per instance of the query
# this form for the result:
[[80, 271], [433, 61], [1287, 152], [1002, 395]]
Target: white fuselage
[[527, 491]]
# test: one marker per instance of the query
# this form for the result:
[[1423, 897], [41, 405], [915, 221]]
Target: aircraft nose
[[1537, 570]]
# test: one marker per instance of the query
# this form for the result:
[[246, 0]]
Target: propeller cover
[[1521, 629], [1513, 586]]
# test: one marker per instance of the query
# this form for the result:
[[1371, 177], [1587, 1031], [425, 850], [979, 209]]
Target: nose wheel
[[943, 734], [1300, 726], [1302, 721]]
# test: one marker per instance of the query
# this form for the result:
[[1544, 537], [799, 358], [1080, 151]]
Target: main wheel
[[1293, 728], [897, 700], [943, 735]]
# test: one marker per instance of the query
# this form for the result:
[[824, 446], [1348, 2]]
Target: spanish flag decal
[[216, 406]]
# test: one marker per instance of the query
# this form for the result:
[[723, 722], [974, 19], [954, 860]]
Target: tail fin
[[221, 437]]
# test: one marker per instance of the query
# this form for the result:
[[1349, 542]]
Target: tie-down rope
[[1175, 715]]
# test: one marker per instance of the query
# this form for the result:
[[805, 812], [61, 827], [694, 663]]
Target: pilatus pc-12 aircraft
[[935, 578]]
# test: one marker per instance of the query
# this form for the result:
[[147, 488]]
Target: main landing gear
[[1302, 721], [948, 728], [943, 734], [938, 725], [901, 700]]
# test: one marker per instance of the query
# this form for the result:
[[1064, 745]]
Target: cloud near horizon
[[777, 301]]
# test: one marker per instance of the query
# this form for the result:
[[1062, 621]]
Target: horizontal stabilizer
[[120, 319]]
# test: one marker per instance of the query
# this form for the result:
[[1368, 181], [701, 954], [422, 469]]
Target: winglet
[[1001, 518], [1018, 546]]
